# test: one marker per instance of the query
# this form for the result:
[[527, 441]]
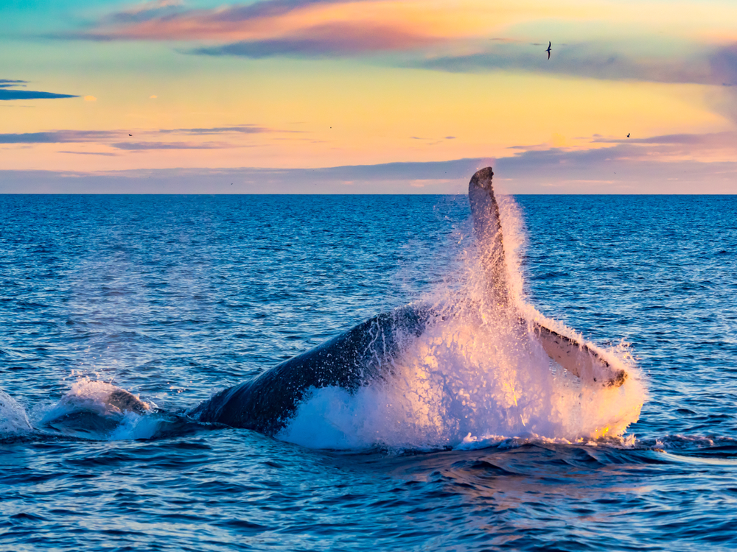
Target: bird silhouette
[[130, 135], [628, 135], [549, 50]]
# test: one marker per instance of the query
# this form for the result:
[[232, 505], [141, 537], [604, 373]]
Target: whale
[[369, 351]]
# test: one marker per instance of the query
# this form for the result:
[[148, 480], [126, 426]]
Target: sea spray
[[100, 410], [13, 417], [476, 374]]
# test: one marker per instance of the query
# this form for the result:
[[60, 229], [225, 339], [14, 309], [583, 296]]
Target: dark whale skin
[[364, 353]]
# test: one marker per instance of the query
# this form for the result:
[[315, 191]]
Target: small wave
[[706, 446]]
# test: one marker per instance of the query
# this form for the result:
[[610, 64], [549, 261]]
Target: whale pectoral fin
[[579, 359]]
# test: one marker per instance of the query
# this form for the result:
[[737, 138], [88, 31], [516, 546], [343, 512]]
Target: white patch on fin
[[578, 358]]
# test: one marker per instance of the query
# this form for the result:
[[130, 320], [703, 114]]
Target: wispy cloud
[[31, 95], [443, 38], [58, 137], [329, 40], [113, 137], [147, 11], [553, 171], [706, 65], [241, 129], [8, 91], [107, 138], [141, 146], [709, 139], [103, 153], [164, 20], [173, 11], [7, 83]]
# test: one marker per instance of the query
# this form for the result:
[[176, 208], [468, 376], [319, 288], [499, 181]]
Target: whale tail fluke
[[574, 355]]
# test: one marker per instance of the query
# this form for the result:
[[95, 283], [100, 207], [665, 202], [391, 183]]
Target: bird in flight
[[549, 49], [130, 135], [628, 135]]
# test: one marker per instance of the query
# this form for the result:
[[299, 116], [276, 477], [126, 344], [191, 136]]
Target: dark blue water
[[175, 297]]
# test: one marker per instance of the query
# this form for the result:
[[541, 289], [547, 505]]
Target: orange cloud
[[332, 39], [283, 18]]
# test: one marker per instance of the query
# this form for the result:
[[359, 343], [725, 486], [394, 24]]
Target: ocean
[[472, 444]]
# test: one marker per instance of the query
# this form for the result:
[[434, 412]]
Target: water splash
[[13, 417], [476, 375], [100, 410]]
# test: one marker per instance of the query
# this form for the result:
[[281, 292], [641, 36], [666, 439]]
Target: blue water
[[175, 297]]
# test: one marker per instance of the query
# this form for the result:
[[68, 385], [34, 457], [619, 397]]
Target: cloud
[[104, 153], [329, 40], [553, 171], [715, 146], [656, 164], [147, 11], [171, 12], [169, 21], [141, 146], [7, 83], [7, 92], [90, 99], [58, 137], [243, 129], [288, 28], [30, 95], [706, 65], [722, 100], [344, 28], [106, 136], [709, 139]]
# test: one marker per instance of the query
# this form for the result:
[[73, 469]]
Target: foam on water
[[473, 378]]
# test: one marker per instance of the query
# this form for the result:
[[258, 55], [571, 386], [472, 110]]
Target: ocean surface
[[176, 297]]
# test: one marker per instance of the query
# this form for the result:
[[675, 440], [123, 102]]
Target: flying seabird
[[628, 135], [549, 49], [130, 135]]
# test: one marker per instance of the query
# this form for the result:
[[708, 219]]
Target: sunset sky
[[367, 96]]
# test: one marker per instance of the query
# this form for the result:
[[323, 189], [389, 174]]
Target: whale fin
[[578, 358], [573, 355], [488, 229]]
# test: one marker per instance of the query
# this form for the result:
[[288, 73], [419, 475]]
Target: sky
[[389, 96]]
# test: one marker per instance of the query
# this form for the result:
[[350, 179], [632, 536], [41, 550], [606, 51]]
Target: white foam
[[13, 418], [135, 426], [472, 379]]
